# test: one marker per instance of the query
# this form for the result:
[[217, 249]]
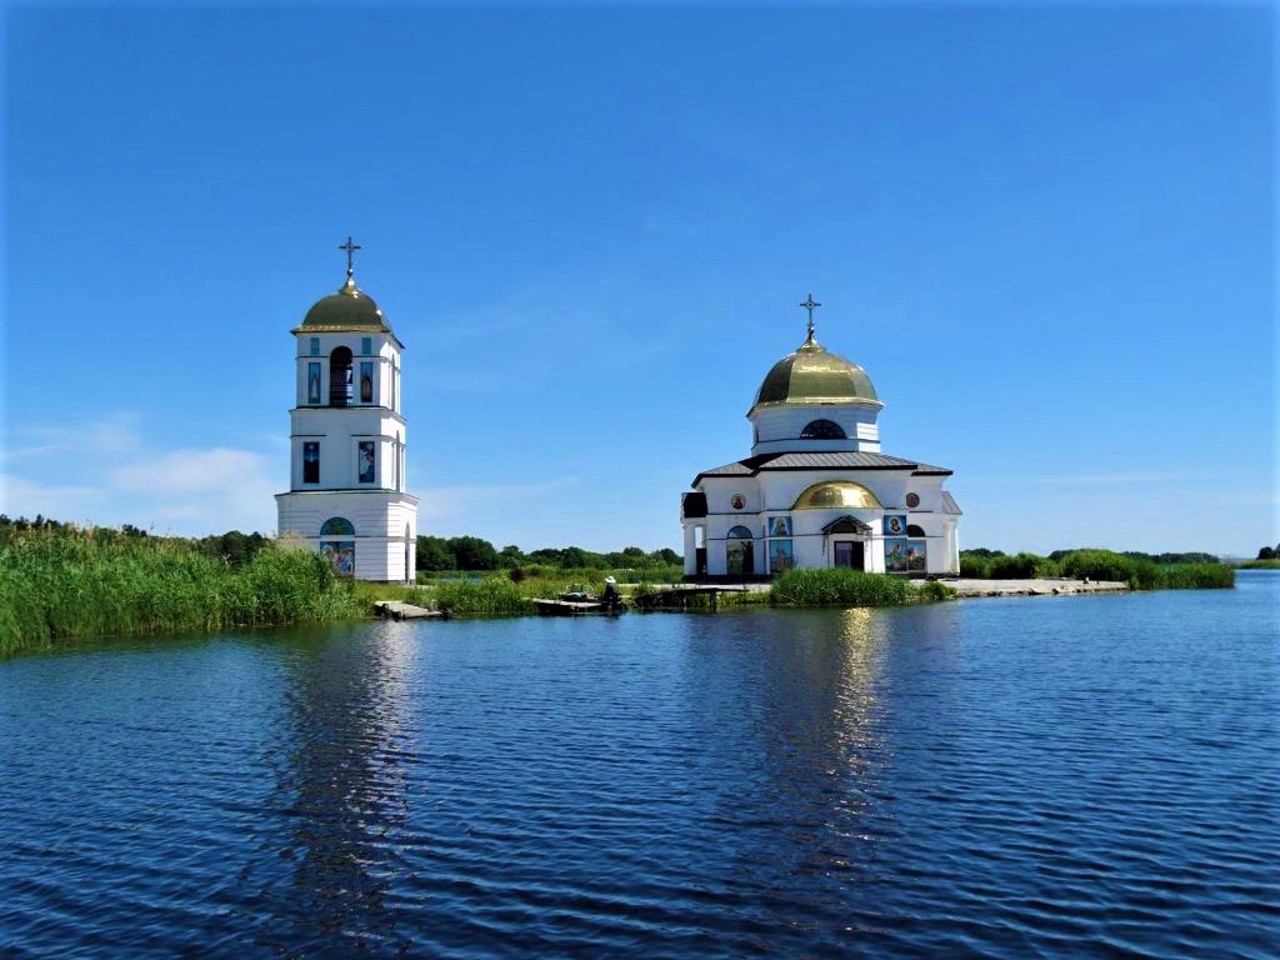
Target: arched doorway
[[338, 545], [740, 552]]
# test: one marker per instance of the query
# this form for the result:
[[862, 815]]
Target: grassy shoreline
[[67, 584], [58, 585]]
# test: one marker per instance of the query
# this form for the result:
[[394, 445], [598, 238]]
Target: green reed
[[66, 584], [494, 596], [837, 586]]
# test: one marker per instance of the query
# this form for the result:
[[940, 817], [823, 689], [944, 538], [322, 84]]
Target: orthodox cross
[[810, 304], [351, 247]]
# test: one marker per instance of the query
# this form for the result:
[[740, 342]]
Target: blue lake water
[[1057, 777]]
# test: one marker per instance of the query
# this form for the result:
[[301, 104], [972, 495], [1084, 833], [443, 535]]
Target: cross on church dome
[[810, 304]]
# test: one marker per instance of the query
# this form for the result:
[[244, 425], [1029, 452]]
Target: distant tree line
[[1269, 553], [473, 553], [982, 553]]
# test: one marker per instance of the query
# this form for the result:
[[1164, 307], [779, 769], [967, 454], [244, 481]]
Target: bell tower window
[[340, 385], [311, 461]]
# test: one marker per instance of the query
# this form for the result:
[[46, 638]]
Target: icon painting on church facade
[[367, 461], [779, 526], [366, 381], [313, 383], [782, 556], [341, 555]]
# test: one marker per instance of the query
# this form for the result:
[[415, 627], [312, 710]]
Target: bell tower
[[347, 490]]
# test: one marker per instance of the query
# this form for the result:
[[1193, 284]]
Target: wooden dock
[[396, 610]]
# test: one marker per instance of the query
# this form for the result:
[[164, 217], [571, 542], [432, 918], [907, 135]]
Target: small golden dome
[[348, 309], [837, 494], [812, 374]]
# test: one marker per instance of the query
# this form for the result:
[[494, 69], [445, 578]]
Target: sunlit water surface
[[1087, 776]]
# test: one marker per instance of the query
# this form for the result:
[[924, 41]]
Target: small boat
[[577, 602]]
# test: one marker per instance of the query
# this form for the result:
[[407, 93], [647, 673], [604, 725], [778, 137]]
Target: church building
[[347, 494], [816, 490]]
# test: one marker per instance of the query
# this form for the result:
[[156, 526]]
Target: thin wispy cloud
[[105, 472]]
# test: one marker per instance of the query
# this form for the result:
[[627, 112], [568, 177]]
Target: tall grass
[[837, 586], [67, 584], [495, 596], [1143, 574]]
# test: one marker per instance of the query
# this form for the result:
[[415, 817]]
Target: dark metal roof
[[949, 504], [693, 505], [850, 460]]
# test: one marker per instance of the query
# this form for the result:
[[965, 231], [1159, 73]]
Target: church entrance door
[[849, 553]]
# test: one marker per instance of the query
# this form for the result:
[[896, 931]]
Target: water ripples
[[1026, 778]]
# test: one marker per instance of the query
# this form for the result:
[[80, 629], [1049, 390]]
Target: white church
[[347, 494], [816, 490]]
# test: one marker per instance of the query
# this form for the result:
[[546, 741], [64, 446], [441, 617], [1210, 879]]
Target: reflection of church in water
[[347, 494], [816, 490]]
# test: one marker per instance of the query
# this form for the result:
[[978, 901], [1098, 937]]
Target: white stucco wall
[[778, 428], [379, 519], [775, 493]]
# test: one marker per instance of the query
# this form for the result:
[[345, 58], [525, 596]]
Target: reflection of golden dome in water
[[812, 374], [836, 494]]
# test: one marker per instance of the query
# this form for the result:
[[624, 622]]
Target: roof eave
[[817, 402]]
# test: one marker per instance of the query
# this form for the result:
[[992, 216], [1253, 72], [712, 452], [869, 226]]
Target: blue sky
[[1047, 232]]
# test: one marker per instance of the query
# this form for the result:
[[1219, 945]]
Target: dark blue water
[[1074, 777]]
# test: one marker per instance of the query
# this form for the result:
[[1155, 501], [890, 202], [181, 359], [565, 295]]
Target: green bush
[[58, 584], [975, 567], [934, 591], [836, 586], [1021, 566], [1141, 573], [492, 597]]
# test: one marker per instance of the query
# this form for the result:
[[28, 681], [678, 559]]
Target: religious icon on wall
[[366, 461], [313, 383], [781, 556], [913, 500], [737, 501], [904, 556], [342, 555], [779, 526], [366, 382], [895, 525]]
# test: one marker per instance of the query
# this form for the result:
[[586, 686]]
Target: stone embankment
[[1033, 588]]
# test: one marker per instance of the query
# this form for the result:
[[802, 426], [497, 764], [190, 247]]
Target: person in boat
[[611, 594]]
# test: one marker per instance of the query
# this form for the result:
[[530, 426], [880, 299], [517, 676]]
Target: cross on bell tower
[[351, 247]]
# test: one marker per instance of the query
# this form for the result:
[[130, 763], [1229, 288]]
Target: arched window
[[740, 533], [337, 527], [823, 430], [340, 385], [914, 530]]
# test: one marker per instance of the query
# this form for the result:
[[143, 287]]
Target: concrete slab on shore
[[395, 610], [1032, 588]]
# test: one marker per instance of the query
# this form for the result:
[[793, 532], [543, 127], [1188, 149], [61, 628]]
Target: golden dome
[[812, 374], [348, 309], [837, 494]]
